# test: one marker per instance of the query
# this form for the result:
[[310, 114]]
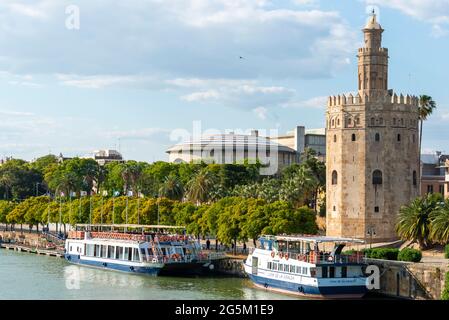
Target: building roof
[[429, 158], [230, 140], [319, 131]]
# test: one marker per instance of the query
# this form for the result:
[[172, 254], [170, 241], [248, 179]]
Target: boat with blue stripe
[[300, 265], [140, 249]]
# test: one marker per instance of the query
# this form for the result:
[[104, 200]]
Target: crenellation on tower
[[372, 149]]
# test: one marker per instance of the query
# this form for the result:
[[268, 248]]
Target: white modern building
[[237, 148]]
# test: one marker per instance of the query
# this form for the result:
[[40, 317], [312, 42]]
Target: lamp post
[[158, 201], [371, 232], [37, 188]]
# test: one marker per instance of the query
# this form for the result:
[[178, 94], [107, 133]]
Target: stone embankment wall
[[407, 280], [232, 267]]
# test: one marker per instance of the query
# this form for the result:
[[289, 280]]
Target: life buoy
[[272, 254], [280, 255], [286, 256]]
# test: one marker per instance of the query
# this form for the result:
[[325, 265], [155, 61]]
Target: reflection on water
[[26, 276]]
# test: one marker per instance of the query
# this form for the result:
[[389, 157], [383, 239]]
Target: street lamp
[[371, 232], [37, 188]]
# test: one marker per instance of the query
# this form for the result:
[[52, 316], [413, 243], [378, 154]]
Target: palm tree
[[425, 109], [131, 175], [199, 187], [414, 220], [439, 226], [171, 188]]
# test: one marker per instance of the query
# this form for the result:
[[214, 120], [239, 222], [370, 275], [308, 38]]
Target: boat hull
[[148, 270], [187, 269], [326, 292]]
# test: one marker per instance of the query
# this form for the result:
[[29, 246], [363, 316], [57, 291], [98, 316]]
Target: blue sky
[[139, 72]]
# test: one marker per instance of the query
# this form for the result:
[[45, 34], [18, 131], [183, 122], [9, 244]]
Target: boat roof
[[136, 226], [316, 239]]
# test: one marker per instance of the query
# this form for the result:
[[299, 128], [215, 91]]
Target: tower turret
[[373, 60]]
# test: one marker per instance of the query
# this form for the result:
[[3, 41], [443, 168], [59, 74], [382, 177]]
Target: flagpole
[[101, 214], [138, 203], [90, 211], [113, 208], [126, 216]]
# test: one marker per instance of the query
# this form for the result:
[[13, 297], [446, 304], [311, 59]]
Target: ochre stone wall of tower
[[372, 151]]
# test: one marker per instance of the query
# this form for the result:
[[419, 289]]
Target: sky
[[141, 75]]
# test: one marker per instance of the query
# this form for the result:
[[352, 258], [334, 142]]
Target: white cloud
[[102, 81], [176, 39], [201, 96], [315, 102], [261, 112], [238, 94], [33, 11]]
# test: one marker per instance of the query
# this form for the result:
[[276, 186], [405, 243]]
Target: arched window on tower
[[377, 177], [377, 137], [372, 121], [415, 182], [353, 137], [338, 122], [399, 137], [333, 122], [335, 138], [334, 177]]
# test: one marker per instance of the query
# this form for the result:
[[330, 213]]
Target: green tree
[[171, 188], [425, 109], [200, 186], [439, 225], [414, 220]]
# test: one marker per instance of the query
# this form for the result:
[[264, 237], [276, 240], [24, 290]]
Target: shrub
[[409, 254], [446, 251], [382, 253], [445, 294]]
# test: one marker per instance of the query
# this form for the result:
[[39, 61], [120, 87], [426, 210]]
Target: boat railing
[[323, 258]]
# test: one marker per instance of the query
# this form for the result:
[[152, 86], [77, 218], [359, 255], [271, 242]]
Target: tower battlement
[[373, 50], [343, 100]]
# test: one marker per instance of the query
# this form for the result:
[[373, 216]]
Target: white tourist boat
[[159, 251], [301, 265]]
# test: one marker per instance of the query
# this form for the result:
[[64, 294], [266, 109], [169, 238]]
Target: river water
[[29, 276]]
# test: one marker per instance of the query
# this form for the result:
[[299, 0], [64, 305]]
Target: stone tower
[[372, 149]]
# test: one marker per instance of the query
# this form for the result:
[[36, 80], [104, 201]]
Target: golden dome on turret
[[372, 23]]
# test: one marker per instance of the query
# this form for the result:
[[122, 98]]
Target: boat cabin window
[[129, 254], [344, 272], [331, 272], [136, 256], [275, 266], [97, 250], [292, 269], [104, 253], [119, 253], [150, 252], [111, 252], [143, 252], [298, 269], [323, 272], [90, 250]]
